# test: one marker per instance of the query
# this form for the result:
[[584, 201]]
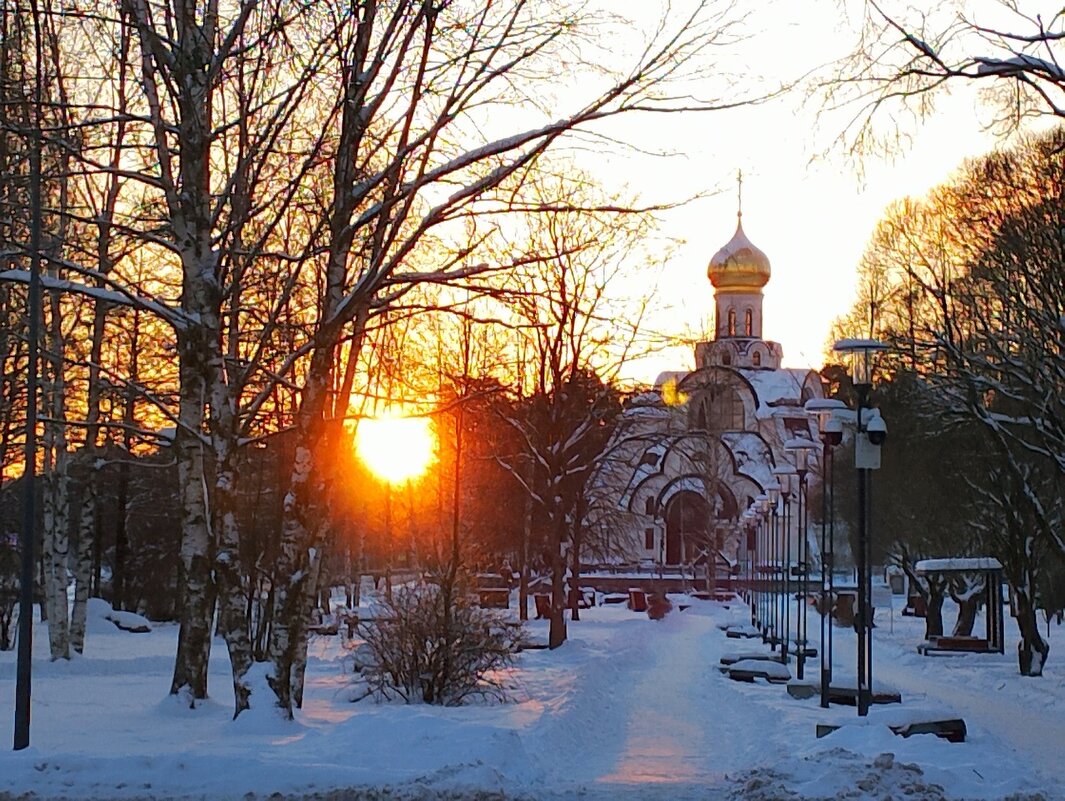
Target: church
[[691, 455]]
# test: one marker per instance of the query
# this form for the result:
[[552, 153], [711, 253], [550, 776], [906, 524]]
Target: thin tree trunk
[[523, 568], [575, 575], [83, 562], [229, 577], [933, 619], [967, 608], [1032, 649], [293, 559], [299, 658], [56, 537], [557, 633], [194, 638]]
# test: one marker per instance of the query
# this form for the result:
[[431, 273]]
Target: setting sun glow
[[395, 448]]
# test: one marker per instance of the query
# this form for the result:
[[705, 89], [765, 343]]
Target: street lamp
[[867, 441], [785, 477], [767, 516], [772, 489], [831, 431], [801, 449], [750, 535]]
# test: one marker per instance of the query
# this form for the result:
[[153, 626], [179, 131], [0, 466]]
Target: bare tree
[[907, 57], [978, 313]]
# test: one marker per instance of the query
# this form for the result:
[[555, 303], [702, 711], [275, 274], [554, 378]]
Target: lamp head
[[784, 475], [800, 449], [861, 353], [832, 432]]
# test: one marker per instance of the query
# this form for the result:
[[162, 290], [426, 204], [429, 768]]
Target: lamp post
[[750, 534], [764, 514], [772, 491], [785, 477], [831, 433], [767, 523], [800, 450], [867, 440]]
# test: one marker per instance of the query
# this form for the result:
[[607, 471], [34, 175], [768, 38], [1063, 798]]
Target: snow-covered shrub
[[438, 647]]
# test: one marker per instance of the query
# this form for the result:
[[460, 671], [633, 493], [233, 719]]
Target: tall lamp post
[[830, 429], [767, 523], [869, 435], [772, 491], [800, 450], [785, 478], [750, 534]]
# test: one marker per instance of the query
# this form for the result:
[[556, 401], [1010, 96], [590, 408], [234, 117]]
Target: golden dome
[[739, 266]]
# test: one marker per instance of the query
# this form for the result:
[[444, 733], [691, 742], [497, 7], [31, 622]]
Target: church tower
[[738, 272]]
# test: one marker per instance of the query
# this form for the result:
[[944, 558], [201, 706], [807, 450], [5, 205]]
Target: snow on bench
[[751, 669], [757, 656], [742, 632]]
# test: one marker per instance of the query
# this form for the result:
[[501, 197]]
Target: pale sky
[[811, 216]]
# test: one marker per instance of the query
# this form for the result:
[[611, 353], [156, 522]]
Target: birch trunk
[[56, 533], [310, 595], [294, 582], [83, 561], [230, 578], [194, 636], [87, 528]]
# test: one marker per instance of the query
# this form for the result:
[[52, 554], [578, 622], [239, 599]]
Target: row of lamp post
[[769, 517]]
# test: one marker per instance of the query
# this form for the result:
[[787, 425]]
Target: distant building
[[690, 456]]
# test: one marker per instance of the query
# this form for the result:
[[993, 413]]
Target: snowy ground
[[628, 708]]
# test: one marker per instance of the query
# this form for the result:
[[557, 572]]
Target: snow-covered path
[[655, 718], [664, 739]]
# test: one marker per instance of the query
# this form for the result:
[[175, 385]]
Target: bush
[[433, 645]]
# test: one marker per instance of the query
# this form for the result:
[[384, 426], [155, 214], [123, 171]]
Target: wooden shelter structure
[[991, 571]]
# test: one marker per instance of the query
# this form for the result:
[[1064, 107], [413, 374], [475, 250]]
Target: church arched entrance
[[687, 524]]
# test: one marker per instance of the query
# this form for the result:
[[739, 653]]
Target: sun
[[395, 448]]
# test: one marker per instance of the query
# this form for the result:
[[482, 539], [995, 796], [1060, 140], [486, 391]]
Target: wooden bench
[[494, 598], [325, 629], [749, 670], [746, 632], [848, 696], [950, 729], [759, 656], [958, 645]]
